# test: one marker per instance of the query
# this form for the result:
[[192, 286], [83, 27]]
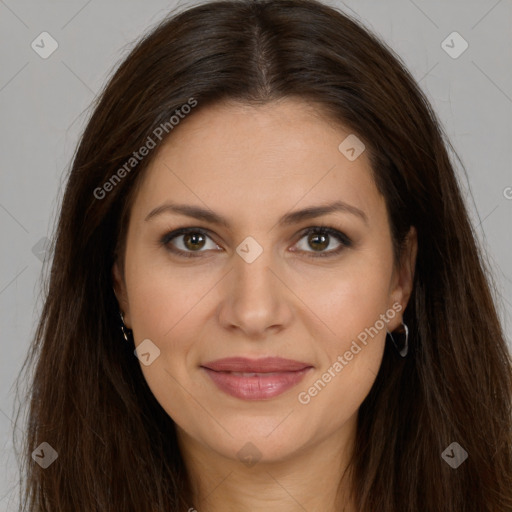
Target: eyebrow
[[311, 212]]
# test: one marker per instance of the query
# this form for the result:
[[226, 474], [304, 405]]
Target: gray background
[[43, 106]]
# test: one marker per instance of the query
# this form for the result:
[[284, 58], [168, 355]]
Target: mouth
[[260, 379], [263, 365]]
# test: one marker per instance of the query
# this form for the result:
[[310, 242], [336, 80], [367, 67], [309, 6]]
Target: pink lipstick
[[256, 379]]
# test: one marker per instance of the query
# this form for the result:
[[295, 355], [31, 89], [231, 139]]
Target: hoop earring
[[124, 329], [402, 332]]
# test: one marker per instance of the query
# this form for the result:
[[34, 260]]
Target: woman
[[266, 293]]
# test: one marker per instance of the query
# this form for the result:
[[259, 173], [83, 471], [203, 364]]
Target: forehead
[[253, 158]]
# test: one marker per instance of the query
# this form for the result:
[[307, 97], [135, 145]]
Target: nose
[[255, 300]]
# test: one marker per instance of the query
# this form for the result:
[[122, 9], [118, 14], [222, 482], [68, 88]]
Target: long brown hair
[[88, 399]]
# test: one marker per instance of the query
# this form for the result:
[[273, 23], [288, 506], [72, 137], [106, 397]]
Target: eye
[[193, 240], [320, 237]]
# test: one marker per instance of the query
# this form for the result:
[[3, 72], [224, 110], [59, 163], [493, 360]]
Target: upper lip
[[263, 365]]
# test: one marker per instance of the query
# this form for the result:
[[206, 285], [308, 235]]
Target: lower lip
[[258, 387]]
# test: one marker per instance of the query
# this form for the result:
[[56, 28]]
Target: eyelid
[[344, 240]]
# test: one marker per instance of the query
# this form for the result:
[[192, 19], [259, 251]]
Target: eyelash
[[344, 240]]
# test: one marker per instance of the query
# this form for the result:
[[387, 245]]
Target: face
[[319, 289]]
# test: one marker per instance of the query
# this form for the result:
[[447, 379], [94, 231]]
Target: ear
[[403, 276], [120, 292]]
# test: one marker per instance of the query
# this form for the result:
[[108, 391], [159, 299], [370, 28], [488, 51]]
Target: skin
[[252, 165]]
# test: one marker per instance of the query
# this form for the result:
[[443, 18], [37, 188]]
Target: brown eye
[[188, 242], [193, 241], [320, 238], [318, 241]]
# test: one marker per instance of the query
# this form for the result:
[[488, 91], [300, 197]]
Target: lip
[[263, 365], [270, 377]]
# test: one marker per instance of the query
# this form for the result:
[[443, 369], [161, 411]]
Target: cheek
[[349, 338], [348, 332], [164, 307], [349, 299], [161, 294]]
